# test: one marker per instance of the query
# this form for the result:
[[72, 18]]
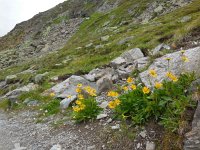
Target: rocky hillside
[[127, 71]]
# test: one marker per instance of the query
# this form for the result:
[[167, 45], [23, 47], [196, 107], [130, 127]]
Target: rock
[[117, 126], [192, 138], [2, 84], [132, 55], [141, 63], [104, 84], [30, 102], [194, 87], [89, 45], [91, 147], [158, 9], [177, 66], [117, 62], [39, 78], [99, 46], [124, 71], [143, 134], [109, 120], [125, 40], [11, 79], [150, 146], [89, 77], [105, 38], [68, 87], [98, 73], [13, 95], [103, 104], [101, 116], [186, 19], [65, 102], [159, 48], [56, 147]]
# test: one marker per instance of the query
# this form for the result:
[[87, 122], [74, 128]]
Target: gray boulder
[[13, 95], [117, 62], [40, 78], [65, 102], [177, 66], [132, 55], [104, 84], [142, 63], [68, 87], [98, 73], [159, 48], [11, 79]]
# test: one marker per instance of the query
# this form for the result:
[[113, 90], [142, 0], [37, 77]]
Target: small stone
[[11, 79], [91, 147], [65, 103], [143, 133], [103, 104], [101, 116], [117, 126], [150, 146], [109, 120], [56, 147], [89, 45], [186, 19], [105, 38]]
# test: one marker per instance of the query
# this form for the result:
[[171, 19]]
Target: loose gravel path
[[20, 129]]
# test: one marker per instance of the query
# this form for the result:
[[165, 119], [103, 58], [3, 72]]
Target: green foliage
[[52, 107], [90, 110], [166, 104]]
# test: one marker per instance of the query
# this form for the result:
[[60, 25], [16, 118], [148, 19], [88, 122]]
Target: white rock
[[150, 146], [143, 133], [117, 62], [117, 126], [132, 55], [56, 147], [65, 103], [103, 104], [101, 116]]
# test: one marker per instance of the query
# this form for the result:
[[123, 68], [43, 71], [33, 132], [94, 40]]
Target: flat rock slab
[[176, 65]]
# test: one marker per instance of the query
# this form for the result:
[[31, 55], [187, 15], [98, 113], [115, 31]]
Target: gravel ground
[[21, 129]]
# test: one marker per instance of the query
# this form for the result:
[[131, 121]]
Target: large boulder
[[104, 84], [132, 55], [176, 65], [13, 95], [68, 87]]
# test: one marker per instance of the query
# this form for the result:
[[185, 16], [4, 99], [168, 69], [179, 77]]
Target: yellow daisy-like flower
[[78, 90], [168, 58], [117, 101], [182, 51], [153, 73], [78, 102], [133, 87], [80, 96], [125, 88], [129, 80], [146, 90], [185, 58], [158, 85], [168, 74], [111, 105], [69, 96], [112, 94], [82, 106], [172, 76], [79, 85], [52, 94], [76, 108]]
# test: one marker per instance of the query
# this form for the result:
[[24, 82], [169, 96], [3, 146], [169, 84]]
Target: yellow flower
[[80, 96], [117, 102], [69, 96], [79, 85], [82, 106], [185, 58], [111, 105], [112, 94], [78, 90], [168, 58], [52, 94], [133, 87], [76, 108], [182, 51], [172, 76], [153, 73], [78, 102], [129, 80], [158, 85], [125, 88], [146, 90]]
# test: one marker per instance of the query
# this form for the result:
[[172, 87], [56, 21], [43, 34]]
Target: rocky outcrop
[[176, 65]]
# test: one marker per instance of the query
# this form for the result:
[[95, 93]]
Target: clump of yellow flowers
[[79, 102]]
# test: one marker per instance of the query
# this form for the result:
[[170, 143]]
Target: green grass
[[146, 36]]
